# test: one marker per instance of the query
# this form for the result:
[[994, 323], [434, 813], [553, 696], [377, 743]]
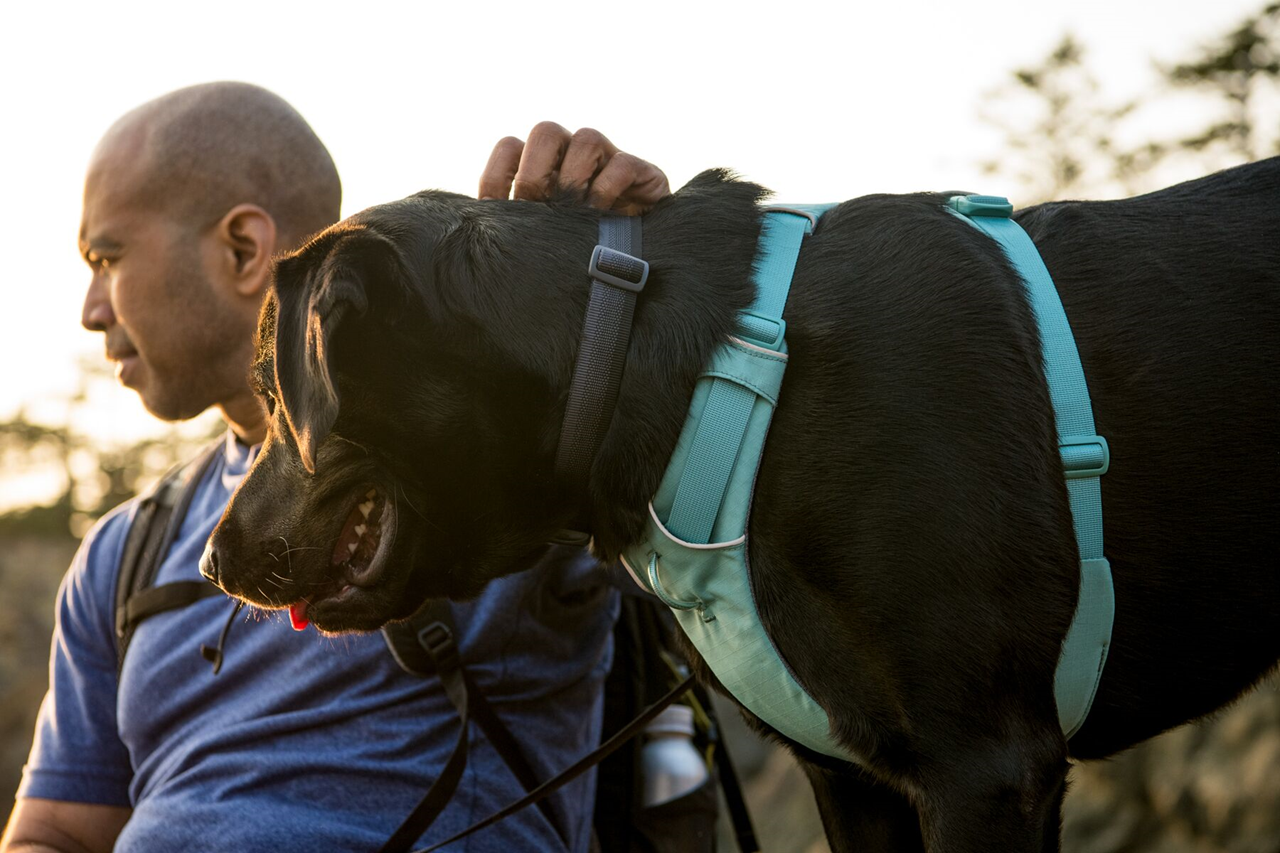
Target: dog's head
[[409, 421]]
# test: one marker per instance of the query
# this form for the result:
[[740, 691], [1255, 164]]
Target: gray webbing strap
[[617, 277]]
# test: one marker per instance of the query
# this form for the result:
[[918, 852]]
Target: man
[[322, 744]]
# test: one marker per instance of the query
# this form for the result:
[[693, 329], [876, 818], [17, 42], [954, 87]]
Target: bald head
[[198, 152]]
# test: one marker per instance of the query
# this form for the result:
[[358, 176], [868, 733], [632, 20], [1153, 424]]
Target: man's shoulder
[[102, 547]]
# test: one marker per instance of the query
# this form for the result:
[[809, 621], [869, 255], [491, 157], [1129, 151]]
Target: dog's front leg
[[1003, 794], [861, 814]]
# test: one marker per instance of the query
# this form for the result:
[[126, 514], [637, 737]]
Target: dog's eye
[[270, 400]]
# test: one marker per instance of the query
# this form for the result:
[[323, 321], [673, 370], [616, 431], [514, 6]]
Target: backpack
[[424, 646]]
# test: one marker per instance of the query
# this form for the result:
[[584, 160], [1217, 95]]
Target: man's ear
[[247, 239], [308, 316]]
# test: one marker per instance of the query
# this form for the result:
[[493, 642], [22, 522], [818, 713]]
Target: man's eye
[[97, 262]]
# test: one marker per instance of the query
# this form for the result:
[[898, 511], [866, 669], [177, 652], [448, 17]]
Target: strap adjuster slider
[[437, 640], [981, 205], [767, 332], [1084, 456], [619, 269]]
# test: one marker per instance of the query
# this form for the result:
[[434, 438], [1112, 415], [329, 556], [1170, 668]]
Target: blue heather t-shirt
[[303, 741]]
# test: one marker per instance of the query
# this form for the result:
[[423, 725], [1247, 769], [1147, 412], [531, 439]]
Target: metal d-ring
[[658, 590]]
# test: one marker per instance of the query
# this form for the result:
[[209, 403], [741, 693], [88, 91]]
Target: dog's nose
[[209, 562]]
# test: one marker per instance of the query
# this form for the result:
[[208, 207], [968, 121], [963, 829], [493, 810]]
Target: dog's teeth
[[366, 508], [360, 529], [352, 547]]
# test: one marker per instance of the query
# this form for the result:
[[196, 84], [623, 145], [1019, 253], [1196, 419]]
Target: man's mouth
[[126, 364], [359, 553]]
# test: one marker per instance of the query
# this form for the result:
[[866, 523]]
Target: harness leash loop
[[658, 590], [1085, 458]]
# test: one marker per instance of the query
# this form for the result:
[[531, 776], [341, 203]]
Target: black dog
[[912, 549]]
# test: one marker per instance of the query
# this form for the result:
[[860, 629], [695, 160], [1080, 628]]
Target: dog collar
[[617, 277]]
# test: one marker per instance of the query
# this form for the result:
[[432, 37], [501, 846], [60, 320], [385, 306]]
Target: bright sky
[[819, 101]]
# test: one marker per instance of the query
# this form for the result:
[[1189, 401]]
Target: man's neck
[[245, 415]]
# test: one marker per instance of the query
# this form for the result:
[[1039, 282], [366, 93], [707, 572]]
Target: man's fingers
[[589, 150], [585, 161], [540, 161], [500, 171], [628, 185]]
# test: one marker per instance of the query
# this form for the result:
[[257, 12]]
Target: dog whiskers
[[419, 512], [286, 554], [302, 548]]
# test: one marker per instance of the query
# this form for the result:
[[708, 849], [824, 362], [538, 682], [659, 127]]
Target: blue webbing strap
[[1085, 458], [724, 418]]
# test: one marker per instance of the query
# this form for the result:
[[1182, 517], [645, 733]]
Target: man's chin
[[164, 405]]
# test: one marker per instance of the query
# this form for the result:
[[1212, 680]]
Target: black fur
[[911, 542]]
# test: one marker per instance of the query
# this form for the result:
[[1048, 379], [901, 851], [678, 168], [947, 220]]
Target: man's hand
[[585, 162]]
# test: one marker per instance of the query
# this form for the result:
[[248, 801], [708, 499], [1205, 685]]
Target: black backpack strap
[[169, 596], [154, 527], [573, 771], [646, 661], [425, 645], [743, 830], [641, 630]]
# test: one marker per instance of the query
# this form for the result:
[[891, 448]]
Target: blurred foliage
[[1063, 138], [20, 439], [104, 477], [1067, 141], [1233, 71]]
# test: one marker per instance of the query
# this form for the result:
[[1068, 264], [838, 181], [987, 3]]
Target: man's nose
[[96, 315]]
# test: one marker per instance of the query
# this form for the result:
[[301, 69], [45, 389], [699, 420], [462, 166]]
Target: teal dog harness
[[693, 553]]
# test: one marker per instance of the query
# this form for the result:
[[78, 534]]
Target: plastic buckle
[[797, 211], [437, 640], [1084, 456], [768, 332], [618, 269], [981, 205]]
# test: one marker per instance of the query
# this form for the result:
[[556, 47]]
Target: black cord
[[214, 656]]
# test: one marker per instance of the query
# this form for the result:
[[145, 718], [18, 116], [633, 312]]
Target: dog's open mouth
[[358, 554]]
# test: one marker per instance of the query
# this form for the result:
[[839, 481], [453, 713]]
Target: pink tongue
[[298, 616]]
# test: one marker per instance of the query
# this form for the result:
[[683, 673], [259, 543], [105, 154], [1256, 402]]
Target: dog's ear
[[309, 314]]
